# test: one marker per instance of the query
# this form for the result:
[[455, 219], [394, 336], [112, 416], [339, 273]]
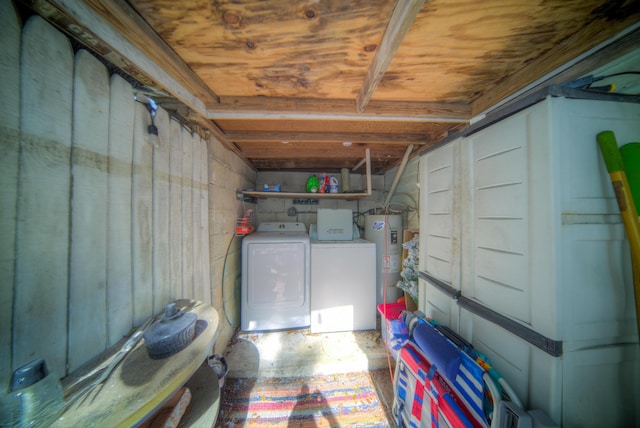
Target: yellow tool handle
[[613, 160], [627, 209], [615, 166]]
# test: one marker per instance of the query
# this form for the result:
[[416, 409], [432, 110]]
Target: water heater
[[386, 232]]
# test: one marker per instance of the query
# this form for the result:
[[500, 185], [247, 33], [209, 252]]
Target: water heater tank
[[386, 232]]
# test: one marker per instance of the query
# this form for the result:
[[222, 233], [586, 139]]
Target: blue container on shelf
[[267, 188]]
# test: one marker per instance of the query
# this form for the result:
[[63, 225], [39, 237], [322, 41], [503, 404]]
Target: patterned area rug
[[340, 400]]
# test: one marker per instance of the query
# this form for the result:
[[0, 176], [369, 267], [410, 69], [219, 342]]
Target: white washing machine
[[343, 285], [276, 278]]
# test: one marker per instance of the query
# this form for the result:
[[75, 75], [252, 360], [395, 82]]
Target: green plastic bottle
[[312, 184]]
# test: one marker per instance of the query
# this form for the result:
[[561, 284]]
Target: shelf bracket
[[241, 196]]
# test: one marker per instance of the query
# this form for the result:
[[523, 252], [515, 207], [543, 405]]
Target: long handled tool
[[615, 167]]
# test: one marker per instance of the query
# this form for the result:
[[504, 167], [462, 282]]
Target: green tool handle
[[610, 151]]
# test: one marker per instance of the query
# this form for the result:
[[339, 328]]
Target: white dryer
[[276, 278]]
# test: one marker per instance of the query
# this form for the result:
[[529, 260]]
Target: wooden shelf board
[[290, 195]]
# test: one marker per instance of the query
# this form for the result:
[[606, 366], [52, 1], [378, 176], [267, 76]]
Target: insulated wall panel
[[119, 269], [162, 286], [88, 255], [142, 217], [42, 231], [9, 160]]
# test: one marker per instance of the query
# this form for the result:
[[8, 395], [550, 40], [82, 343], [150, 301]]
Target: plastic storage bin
[[392, 328]]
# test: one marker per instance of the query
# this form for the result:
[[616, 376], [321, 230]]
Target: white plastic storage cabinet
[[520, 218], [440, 220]]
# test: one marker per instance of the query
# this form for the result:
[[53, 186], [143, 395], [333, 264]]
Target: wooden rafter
[[124, 19], [403, 16], [306, 108], [401, 139]]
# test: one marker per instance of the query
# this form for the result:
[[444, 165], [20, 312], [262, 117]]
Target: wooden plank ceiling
[[308, 85]]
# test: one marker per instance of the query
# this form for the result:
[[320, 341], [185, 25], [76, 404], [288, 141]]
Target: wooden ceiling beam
[[391, 139], [314, 165], [404, 13], [337, 109], [281, 154], [262, 150], [124, 19]]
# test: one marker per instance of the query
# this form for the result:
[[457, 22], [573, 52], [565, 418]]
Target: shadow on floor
[[310, 403], [298, 353]]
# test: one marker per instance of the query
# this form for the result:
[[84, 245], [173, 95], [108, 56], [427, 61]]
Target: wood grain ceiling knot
[[232, 19]]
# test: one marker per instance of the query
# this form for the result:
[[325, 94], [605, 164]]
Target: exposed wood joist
[[307, 165], [262, 150], [315, 159], [124, 19], [305, 108], [404, 14], [401, 139]]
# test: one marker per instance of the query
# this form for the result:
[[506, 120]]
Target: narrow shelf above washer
[[350, 196], [292, 195]]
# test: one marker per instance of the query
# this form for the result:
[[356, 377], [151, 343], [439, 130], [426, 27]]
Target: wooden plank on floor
[[119, 270], [198, 286], [187, 216], [42, 247], [88, 253], [175, 206], [10, 28], [142, 217], [161, 267], [204, 220]]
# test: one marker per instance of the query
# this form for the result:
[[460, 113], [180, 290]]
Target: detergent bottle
[[312, 184], [333, 184], [323, 184]]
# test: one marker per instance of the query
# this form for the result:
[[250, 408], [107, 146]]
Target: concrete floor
[[293, 353]]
